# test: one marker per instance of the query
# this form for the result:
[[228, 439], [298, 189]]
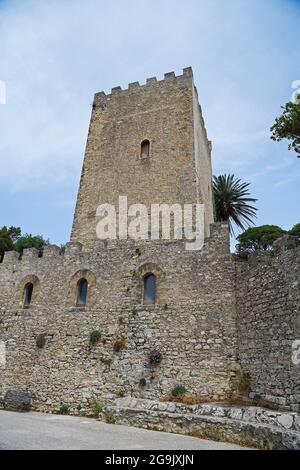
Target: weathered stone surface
[[248, 426], [268, 303], [18, 400], [285, 420], [214, 315]]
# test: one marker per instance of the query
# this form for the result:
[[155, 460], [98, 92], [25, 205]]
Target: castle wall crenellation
[[187, 305], [77, 250], [168, 77], [217, 319]]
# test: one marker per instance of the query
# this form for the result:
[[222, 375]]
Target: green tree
[[287, 126], [258, 238], [29, 241], [231, 198], [295, 231], [8, 236]]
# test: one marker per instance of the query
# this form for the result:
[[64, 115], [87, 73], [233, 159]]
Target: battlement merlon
[[76, 252], [101, 97]]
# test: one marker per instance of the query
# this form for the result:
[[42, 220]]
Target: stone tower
[[176, 167]]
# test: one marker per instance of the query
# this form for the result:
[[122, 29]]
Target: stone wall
[[268, 308], [193, 323], [247, 426], [178, 170]]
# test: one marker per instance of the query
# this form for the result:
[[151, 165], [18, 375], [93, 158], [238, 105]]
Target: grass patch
[[96, 407]]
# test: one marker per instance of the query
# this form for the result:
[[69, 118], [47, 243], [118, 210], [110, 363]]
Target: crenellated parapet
[[75, 252], [169, 77]]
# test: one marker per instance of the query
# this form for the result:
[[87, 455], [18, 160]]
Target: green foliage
[[62, 249], [121, 393], [12, 239], [142, 382], [231, 198], [96, 407], [256, 399], [106, 361], [110, 419], [258, 238], [95, 336], [119, 344], [64, 409], [178, 391], [40, 341], [295, 231], [8, 236], [30, 241], [287, 126]]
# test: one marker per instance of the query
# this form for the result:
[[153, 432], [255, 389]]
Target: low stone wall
[[249, 426]]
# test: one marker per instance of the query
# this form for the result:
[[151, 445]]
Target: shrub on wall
[[142, 382], [106, 361], [110, 419], [64, 409], [178, 391], [40, 341], [95, 406], [119, 344], [154, 357], [95, 336]]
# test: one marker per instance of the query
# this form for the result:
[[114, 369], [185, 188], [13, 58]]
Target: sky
[[55, 54]]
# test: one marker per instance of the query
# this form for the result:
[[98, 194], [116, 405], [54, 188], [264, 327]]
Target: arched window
[[82, 288], [27, 294], [149, 289], [145, 148]]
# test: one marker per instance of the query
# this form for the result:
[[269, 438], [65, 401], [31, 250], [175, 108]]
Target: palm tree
[[231, 202]]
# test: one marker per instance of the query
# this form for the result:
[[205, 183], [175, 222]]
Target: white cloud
[[54, 55]]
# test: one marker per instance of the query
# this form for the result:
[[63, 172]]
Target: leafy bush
[[256, 399], [295, 231], [95, 336], [95, 406], [179, 390], [258, 238], [110, 419], [40, 341], [64, 409], [154, 357], [142, 382], [106, 361], [119, 344]]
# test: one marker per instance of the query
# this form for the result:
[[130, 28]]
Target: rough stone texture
[[18, 400], [213, 314], [178, 170], [247, 425], [268, 308], [193, 322]]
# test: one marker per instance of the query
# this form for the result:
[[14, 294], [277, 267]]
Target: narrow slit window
[[82, 288], [28, 295], [145, 148], [149, 289]]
